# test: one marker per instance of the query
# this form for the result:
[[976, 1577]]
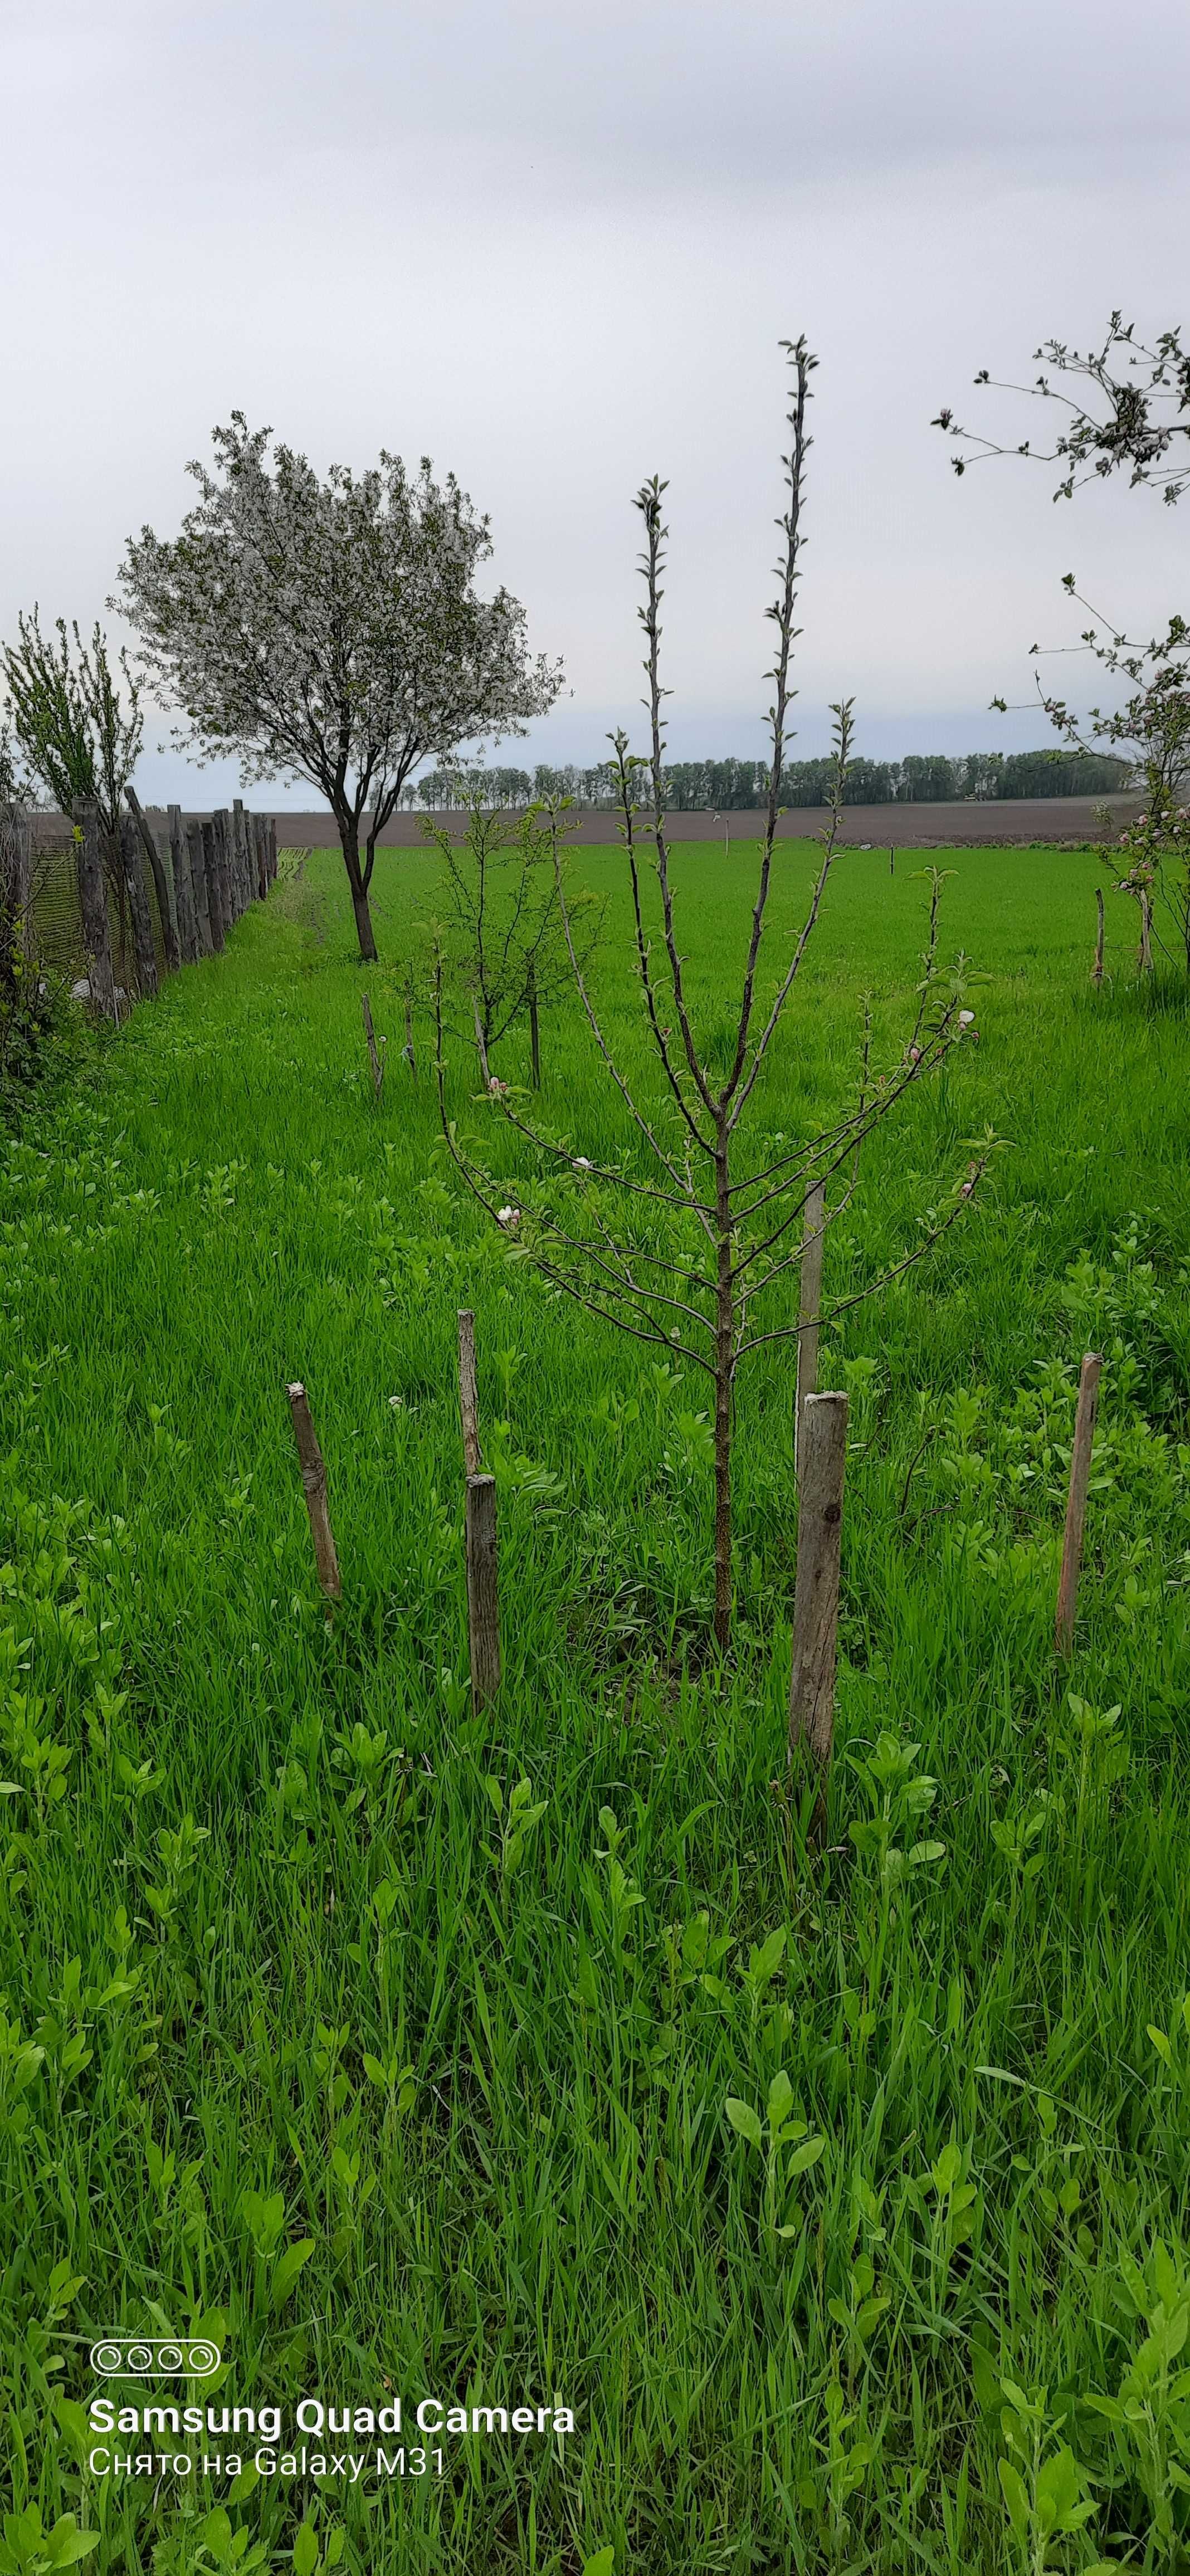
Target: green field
[[298, 2050]]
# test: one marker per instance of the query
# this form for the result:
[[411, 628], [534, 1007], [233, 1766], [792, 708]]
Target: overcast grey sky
[[554, 244]]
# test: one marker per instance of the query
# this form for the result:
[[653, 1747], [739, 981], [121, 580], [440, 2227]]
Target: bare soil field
[[1049, 819]]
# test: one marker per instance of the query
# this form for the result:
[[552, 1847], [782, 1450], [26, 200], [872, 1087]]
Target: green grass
[[276, 1974]]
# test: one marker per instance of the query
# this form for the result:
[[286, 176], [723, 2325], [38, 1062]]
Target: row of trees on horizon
[[734, 786]]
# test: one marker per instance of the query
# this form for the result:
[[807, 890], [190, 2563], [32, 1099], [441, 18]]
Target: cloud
[[556, 248]]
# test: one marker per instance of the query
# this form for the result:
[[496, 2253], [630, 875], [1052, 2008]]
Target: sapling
[[502, 938], [699, 1241]]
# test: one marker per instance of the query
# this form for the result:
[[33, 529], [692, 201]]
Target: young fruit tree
[[671, 1240], [330, 631], [501, 938], [79, 736], [1135, 415], [1150, 856]]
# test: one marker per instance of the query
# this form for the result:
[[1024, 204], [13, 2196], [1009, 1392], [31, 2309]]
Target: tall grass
[[279, 1973]]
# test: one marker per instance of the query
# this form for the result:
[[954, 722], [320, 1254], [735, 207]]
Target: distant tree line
[[734, 786]]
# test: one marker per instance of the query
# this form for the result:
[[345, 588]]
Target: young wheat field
[[324, 2038]]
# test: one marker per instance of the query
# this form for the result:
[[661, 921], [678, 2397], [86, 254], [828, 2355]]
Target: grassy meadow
[[310, 2045]]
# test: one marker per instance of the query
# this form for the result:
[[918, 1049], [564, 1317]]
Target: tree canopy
[[331, 630]]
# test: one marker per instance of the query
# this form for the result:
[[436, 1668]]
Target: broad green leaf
[[1012, 2489], [744, 2120], [286, 2271], [804, 2156], [305, 2551], [780, 2099]]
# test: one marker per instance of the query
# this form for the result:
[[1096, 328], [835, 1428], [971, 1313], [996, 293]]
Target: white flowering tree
[[330, 630]]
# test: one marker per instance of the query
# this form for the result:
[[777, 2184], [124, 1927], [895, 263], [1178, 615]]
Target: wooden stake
[[814, 1223], [892, 869], [377, 1060], [483, 1598], [469, 1393], [1076, 1500], [410, 1057], [1097, 970], [1146, 927], [816, 1592], [313, 1469]]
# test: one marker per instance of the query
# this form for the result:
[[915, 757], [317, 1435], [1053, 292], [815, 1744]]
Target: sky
[[555, 244]]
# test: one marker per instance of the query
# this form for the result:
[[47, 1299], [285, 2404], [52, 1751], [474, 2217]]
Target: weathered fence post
[[816, 1592], [1097, 969], [166, 913], [1076, 1499], [374, 1054], [211, 871], [313, 1469], [227, 896], [239, 846], [469, 1392], [260, 856], [179, 859], [196, 853], [272, 831], [483, 1597], [814, 1228], [92, 893], [132, 862], [16, 888]]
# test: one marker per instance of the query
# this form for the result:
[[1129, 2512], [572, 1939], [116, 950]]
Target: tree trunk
[[349, 836], [198, 888], [1097, 972], [210, 860], [92, 892], [1146, 927], [132, 859], [724, 1336], [166, 913], [534, 1030]]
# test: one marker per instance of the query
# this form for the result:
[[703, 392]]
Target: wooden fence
[[114, 912]]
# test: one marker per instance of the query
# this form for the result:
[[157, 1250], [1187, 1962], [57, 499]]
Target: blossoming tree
[[331, 631]]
